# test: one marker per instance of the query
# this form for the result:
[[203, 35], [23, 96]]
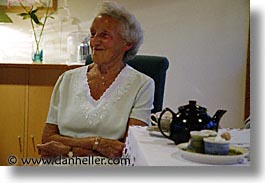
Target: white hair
[[131, 30]]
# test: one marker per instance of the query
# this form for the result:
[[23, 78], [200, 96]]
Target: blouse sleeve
[[143, 104], [54, 102]]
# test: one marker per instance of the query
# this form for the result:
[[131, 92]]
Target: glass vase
[[37, 50]]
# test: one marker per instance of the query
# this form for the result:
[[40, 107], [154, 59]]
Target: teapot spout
[[218, 115]]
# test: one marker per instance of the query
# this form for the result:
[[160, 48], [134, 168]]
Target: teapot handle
[[153, 119], [159, 121]]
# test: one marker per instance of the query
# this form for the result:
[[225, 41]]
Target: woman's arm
[[51, 133], [107, 147], [55, 144], [54, 149]]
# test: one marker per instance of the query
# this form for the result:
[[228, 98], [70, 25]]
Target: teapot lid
[[192, 106]]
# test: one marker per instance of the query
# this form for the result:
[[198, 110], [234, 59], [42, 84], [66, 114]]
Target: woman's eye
[[92, 34], [102, 34], [105, 34]]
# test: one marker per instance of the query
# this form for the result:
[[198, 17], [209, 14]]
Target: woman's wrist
[[96, 143], [70, 153], [80, 152]]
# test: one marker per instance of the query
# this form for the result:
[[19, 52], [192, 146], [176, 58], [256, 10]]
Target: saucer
[[153, 128], [154, 131], [236, 156]]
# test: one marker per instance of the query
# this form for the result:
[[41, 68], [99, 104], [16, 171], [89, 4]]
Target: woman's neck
[[111, 68]]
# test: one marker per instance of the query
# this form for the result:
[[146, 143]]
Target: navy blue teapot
[[191, 117]]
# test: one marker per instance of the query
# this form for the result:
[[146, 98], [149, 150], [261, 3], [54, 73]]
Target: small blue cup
[[216, 147]]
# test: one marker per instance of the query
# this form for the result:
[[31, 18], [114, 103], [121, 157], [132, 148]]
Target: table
[[151, 149]]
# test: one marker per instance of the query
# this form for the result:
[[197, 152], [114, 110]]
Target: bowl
[[196, 143], [216, 146]]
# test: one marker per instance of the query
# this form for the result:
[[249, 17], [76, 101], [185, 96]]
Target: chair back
[[154, 67]]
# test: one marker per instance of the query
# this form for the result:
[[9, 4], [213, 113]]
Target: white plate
[[153, 131], [213, 159], [155, 134]]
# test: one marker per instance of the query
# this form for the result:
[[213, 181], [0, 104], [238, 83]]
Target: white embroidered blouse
[[78, 115]]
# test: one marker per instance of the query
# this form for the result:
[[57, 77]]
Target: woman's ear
[[128, 46]]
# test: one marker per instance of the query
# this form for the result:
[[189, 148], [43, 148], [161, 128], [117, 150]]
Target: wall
[[205, 41]]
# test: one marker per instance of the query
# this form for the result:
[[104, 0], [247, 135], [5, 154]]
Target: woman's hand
[[110, 148], [53, 149]]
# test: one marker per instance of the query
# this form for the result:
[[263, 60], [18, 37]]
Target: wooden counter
[[25, 91], [40, 65]]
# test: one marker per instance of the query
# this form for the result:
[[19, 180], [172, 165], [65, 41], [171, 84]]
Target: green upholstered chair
[[153, 66]]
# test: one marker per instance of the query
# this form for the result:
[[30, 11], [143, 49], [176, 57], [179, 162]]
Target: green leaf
[[34, 11], [23, 14], [26, 17], [35, 18]]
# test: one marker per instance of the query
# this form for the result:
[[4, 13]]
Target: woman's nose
[[96, 40]]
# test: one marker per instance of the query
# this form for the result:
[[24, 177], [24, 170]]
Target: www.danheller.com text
[[60, 160]]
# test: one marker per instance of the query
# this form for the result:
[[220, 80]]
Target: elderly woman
[[92, 106]]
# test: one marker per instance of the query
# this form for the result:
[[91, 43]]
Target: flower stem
[[33, 27], [44, 22]]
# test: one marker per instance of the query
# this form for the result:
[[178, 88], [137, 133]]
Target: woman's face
[[106, 43]]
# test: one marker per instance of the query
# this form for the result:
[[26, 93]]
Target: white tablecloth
[[152, 149]]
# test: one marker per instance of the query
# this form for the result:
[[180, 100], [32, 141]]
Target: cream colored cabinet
[[12, 113], [25, 91]]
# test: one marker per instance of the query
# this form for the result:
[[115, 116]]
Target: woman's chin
[[97, 58]]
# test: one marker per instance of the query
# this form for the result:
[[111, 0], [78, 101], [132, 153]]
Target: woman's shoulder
[[76, 70], [139, 75], [72, 73]]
